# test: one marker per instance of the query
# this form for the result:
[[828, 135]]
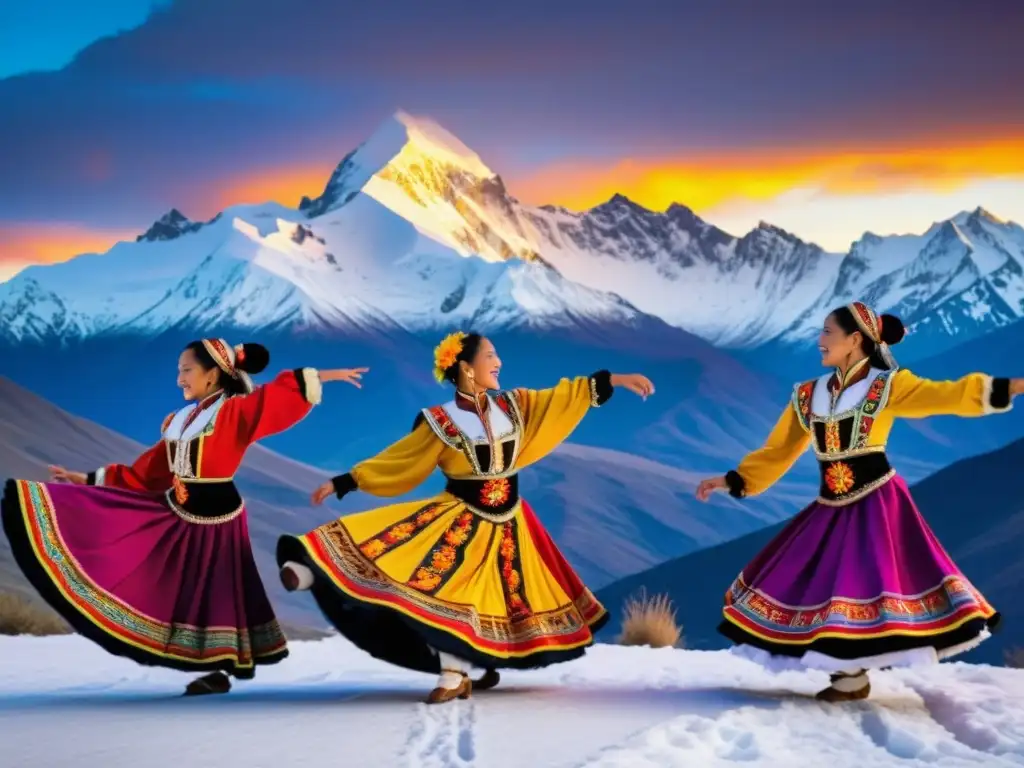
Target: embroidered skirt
[[401, 580], [860, 586], [125, 571]]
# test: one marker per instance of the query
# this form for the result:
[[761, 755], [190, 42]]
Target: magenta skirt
[[863, 580], [125, 571]]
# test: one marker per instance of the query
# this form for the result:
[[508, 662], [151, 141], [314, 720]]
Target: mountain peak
[[771, 229], [402, 142], [618, 201], [171, 225]]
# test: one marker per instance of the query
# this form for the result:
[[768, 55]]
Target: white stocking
[[850, 683], [303, 572], [452, 670]]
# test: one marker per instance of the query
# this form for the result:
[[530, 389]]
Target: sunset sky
[[827, 119]]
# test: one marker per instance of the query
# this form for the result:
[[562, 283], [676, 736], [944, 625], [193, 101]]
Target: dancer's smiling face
[[195, 380], [481, 373], [838, 348]]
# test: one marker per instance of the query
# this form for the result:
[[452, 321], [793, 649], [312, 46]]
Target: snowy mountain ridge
[[413, 229]]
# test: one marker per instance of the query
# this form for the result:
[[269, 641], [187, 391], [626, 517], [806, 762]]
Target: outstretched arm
[[396, 470], [976, 394], [149, 472], [280, 404], [761, 469], [550, 415]]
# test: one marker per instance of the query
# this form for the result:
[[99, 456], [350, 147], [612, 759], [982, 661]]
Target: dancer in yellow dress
[[470, 577]]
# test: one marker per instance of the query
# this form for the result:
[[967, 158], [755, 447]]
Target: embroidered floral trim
[[511, 573], [495, 492], [562, 627], [860, 493], [443, 558], [802, 403], [117, 619], [832, 440], [839, 478], [863, 416], [401, 531], [947, 599], [447, 430]]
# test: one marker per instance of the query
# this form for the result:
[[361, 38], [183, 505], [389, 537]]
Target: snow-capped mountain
[[413, 230], [258, 267], [960, 279]]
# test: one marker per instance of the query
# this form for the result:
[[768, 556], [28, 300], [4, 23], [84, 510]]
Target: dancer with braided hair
[[152, 561], [857, 580]]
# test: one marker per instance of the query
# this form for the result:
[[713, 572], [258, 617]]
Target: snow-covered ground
[[64, 702]]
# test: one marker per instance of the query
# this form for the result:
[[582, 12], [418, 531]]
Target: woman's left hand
[[1016, 387], [351, 376], [634, 382], [322, 492]]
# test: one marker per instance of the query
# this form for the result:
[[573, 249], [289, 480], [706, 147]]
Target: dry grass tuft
[[650, 621], [19, 616], [1014, 657]]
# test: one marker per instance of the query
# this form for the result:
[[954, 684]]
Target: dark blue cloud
[[47, 34], [207, 88]]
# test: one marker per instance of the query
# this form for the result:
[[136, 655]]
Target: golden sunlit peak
[[432, 140]]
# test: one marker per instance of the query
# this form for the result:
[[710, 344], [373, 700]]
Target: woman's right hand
[[709, 486], [61, 475], [321, 493]]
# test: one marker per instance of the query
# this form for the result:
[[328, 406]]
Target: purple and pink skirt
[[860, 586], [130, 574]]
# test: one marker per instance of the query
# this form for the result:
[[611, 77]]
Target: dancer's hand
[[351, 376], [1016, 387], [322, 492], [636, 383], [61, 475], [709, 486]]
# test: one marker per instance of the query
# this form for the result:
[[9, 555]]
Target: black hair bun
[[255, 358], [893, 330]]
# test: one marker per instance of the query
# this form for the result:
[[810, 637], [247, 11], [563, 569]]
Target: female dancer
[[469, 577], [856, 581], [152, 561]]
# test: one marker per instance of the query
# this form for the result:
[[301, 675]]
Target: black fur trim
[[1000, 396], [344, 484], [736, 484], [603, 388]]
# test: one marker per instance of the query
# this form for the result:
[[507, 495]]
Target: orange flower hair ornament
[[446, 353]]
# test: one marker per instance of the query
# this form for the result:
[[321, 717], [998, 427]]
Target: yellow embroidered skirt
[[401, 580]]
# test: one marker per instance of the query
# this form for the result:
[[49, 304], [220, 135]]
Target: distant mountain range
[[413, 231], [976, 513]]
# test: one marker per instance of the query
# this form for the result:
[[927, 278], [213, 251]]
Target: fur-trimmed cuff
[[601, 388], [97, 477], [344, 484], [995, 395], [310, 385], [736, 484]]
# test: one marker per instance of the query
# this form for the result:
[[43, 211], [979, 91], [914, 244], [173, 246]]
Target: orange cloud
[[285, 185], [708, 181], [47, 242]]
